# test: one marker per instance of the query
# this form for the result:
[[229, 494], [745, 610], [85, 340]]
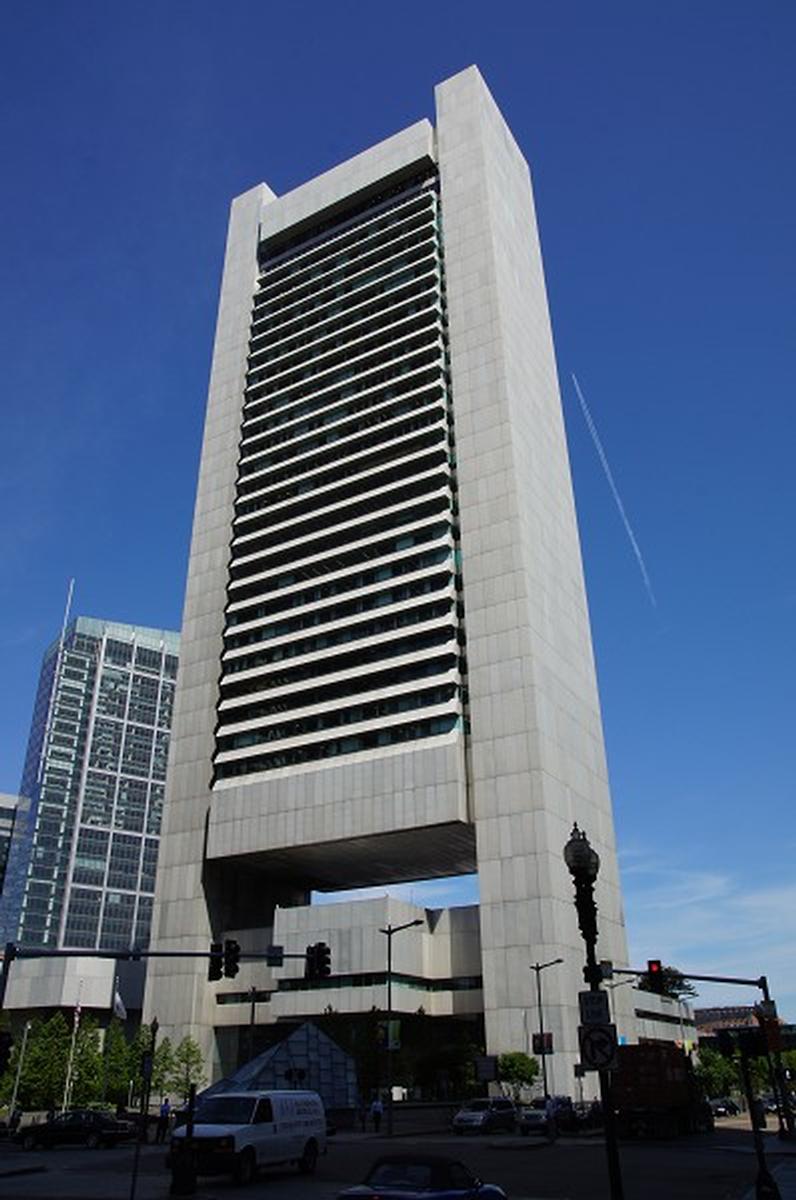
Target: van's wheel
[[93, 1141], [245, 1168], [309, 1159], [29, 1141]]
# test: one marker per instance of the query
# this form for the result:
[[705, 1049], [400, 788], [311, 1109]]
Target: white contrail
[[601, 453]]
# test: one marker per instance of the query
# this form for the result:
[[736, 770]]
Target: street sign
[[598, 1049], [594, 1008], [542, 1043]]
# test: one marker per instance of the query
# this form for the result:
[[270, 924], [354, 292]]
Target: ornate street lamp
[[583, 863]]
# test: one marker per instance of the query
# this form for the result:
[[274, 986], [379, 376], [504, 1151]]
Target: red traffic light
[[655, 975]]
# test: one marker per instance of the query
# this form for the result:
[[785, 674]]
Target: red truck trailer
[[656, 1094]]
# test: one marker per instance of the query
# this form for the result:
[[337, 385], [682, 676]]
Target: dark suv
[[485, 1115]]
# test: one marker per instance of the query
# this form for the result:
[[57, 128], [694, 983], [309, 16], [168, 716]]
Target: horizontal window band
[[327, 520], [358, 718], [400, 266], [408, 321], [284, 508], [361, 394], [370, 979], [281, 250], [400, 241], [398, 679], [328, 467], [362, 658], [291, 402], [289, 355], [405, 280], [336, 541], [403, 400], [330, 247], [352, 557], [341, 611], [375, 627], [374, 740]]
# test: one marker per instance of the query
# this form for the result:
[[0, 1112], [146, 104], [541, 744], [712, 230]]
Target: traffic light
[[215, 968], [655, 976], [725, 1043], [318, 961], [323, 960], [231, 958]]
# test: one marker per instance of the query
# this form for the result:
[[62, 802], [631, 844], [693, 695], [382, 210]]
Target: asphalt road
[[718, 1166]]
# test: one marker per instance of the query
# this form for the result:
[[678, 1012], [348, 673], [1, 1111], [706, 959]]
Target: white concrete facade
[[498, 790]]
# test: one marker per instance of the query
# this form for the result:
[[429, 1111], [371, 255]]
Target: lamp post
[[583, 863], [18, 1076], [538, 968], [389, 933]]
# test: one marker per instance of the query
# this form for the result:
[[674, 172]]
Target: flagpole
[[67, 1097]]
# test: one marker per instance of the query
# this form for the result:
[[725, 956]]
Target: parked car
[[485, 1115], [242, 1131], [78, 1126], [533, 1117], [421, 1177], [722, 1106]]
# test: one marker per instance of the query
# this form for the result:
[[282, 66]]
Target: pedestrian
[[551, 1127], [163, 1122], [376, 1110]]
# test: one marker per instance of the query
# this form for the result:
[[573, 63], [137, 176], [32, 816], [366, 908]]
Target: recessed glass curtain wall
[[344, 627]]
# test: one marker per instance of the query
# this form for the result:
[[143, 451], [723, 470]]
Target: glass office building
[[8, 808], [81, 865]]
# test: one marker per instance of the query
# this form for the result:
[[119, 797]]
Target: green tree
[[162, 1068], [517, 1070], [87, 1065], [41, 1084], [717, 1074], [188, 1068], [672, 984], [140, 1045], [116, 1064]]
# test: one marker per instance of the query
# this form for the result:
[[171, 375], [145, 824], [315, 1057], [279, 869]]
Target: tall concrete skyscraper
[[386, 670], [82, 857]]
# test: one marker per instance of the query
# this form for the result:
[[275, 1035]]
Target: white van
[[243, 1131]]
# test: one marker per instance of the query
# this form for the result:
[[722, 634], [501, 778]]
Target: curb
[[23, 1171]]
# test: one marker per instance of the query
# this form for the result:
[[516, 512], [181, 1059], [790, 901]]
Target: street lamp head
[[583, 861], [391, 929]]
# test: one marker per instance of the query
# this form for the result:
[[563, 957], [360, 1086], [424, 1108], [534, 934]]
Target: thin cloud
[[592, 428], [713, 924]]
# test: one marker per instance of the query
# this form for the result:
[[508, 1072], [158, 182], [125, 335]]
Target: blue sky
[[661, 143]]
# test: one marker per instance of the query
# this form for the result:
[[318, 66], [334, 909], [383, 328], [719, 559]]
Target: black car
[[722, 1106], [421, 1177], [77, 1126]]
